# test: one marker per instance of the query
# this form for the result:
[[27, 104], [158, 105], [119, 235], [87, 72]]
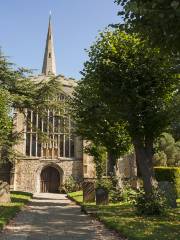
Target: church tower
[[49, 63]]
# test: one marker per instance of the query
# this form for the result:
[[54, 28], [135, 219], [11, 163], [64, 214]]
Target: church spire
[[49, 63]]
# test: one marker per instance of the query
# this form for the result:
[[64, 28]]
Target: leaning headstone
[[102, 196], [169, 192], [4, 192], [88, 191]]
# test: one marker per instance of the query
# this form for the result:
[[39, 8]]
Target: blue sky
[[23, 28]]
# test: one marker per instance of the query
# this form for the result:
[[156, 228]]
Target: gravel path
[[54, 217]]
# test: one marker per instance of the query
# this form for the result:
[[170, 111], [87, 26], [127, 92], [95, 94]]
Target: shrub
[[160, 159], [128, 194], [105, 183], [170, 174], [72, 185], [116, 195], [125, 194], [155, 204]]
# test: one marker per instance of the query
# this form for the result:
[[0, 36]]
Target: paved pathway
[[54, 217]]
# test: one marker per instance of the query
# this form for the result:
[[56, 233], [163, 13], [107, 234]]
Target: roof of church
[[68, 84]]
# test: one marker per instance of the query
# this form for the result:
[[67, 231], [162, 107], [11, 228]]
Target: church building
[[44, 167]]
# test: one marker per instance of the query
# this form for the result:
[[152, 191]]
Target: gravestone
[[169, 192], [102, 196], [4, 192], [88, 191]]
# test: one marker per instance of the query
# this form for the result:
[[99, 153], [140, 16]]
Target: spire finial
[[50, 14]]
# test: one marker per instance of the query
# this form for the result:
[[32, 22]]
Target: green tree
[[175, 121], [5, 120], [157, 20], [26, 92], [94, 123], [99, 155], [167, 151], [19, 91], [137, 83]]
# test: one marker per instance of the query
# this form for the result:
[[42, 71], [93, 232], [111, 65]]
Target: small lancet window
[[49, 55]]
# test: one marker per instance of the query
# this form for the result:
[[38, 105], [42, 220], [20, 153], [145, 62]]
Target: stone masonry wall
[[28, 171]]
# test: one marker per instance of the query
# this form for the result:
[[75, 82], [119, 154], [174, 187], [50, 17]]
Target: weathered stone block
[[88, 191], [169, 192], [4, 192], [102, 196]]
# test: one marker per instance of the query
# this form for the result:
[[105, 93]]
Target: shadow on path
[[53, 217]]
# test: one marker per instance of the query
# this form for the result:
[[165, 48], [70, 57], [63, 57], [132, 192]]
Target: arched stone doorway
[[50, 180]]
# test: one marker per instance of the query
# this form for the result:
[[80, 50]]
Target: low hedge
[[170, 174]]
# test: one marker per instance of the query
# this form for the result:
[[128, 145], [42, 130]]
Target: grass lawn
[[9, 210], [122, 217]]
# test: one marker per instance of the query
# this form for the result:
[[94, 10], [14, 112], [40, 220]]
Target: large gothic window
[[49, 136]]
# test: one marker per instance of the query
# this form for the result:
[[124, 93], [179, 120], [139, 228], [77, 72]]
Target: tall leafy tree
[[25, 91], [167, 151], [157, 20], [19, 91], [175, 121], [94, 123], [137, 84], [5, 120]]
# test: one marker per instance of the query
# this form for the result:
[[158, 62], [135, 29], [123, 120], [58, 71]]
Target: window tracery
[[50, 136]]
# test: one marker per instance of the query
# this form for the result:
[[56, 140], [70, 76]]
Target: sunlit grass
[[123, 218], [9, 210], [77, 196]]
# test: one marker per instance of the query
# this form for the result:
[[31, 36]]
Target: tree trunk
[[144, 156], [138, 169], [111, 165]]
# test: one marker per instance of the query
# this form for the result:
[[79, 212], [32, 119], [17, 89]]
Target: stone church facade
[[44, 167]]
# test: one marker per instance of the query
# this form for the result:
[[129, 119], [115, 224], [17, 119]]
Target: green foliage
[[71, 185], [170, 174], [23, 90], [175, 121], [116, 195], [100, 158], [136, 84], [160, 159], [9, 210], [167, 151], [18, 92], [77, 196], [105, 183], [142, 100], [94, 122], [123, 218], [157, 20], [5, 119], [154, 204], [124, 194], [128, 194]]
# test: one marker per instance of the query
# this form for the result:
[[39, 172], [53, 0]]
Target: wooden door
[[50, 180]]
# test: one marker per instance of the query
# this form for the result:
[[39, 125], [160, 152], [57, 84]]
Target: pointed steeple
[[49, 64]]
